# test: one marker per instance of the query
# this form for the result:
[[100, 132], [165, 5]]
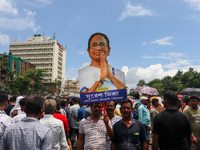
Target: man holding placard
[[94, 130]]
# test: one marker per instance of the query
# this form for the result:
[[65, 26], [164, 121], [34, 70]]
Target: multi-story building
[[11, 67], [72, 86], [45, 53]]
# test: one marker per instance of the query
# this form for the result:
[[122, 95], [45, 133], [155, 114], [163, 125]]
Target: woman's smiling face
[[98, 44]]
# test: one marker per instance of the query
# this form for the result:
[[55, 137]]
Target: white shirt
[[5, 121], [59, 139], [89, 75], [19, 117], [73, 112]]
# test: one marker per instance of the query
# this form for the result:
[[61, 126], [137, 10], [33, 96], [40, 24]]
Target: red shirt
[[63, 119]]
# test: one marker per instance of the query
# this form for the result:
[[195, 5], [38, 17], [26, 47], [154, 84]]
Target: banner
[[96, 97]]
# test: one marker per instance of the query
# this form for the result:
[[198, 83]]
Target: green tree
[[37, 77], [157, 84], [30, 83], [191, 78], [20, 85], [141, 83], [131, 92]]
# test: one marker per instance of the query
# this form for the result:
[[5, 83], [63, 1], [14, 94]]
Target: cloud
[[20, 23], [178, 59], [125, 69], [169, 56], [131, 10], [180, 63], [7, 7], [144, 43], [83, 53], [4, 39], [49, 2], [163, 41], [29, 12], [195, 4], [152, 72]]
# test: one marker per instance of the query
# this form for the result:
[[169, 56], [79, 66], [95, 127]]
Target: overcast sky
[[149, 39]]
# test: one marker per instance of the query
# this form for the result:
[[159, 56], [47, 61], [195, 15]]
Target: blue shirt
[[80, 112], [144, 115]]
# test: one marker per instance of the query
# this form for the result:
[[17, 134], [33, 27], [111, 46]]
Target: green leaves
[[180, 81], [30, 83]]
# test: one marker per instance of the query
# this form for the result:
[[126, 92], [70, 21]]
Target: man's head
[[110, 107], [22, 103], [144, 100], [170, 98], [13, 98], [155, 102], [58, 104], [49, 106], [34, 106], [75, 100], [186, 99], [194, 101], [97, 44], [179, 103], [3, 99], [126, 108], [96, 109]]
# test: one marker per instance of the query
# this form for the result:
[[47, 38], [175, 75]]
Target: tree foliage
[[178, 82], [141, 83], [30, 83]]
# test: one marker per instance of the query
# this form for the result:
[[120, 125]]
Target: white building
[[45, 53]]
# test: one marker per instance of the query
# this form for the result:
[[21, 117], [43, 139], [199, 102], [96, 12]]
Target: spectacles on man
[[101, 45]]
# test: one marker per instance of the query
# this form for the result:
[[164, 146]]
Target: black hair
[[186, 98], [115, 103], [171, 96], [96, 103], [63, 103], [13, 98], [136, 95], [75, 99], [34, 105], [98, 33], [58, 104], [154, 101], [127, 101], [3, 97], [194, 97], [23, 102]]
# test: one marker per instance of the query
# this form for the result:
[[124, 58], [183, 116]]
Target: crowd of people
[[137, 123], [36, 122]]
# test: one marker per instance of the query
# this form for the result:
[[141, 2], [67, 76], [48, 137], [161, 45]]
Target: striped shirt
[[114, 120], [95, 134]]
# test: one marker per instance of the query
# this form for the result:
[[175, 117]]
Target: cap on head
[[143, 98]]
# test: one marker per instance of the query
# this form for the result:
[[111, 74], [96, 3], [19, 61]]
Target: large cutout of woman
[[100, 73]]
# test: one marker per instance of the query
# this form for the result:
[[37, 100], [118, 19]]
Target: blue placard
[[96, 97]]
